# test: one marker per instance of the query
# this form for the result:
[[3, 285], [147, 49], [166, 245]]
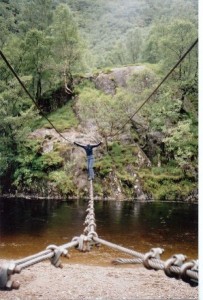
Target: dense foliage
[[55, 45]]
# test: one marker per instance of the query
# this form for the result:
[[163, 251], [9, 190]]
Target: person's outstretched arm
[[96, 145], [77, 144]]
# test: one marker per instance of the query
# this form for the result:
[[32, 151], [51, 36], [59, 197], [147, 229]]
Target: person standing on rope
[[90, 157]]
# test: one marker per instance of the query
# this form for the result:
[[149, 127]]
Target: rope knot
[[193, 267], [92, 234], [175, 261], [153, 253], [83, 242]]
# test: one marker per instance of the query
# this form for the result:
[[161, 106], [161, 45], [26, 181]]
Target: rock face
[[111, 186], [154, 140], [105, 83], [118, 77]]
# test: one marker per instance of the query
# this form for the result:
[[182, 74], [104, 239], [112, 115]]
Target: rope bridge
[[176, 266]]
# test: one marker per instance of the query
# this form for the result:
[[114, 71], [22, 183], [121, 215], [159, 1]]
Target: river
[[29, 226]]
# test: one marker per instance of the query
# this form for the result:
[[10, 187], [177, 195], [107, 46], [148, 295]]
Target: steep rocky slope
[[124, 170]]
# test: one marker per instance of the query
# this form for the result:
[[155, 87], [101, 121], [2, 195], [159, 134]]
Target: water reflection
[[29, 226]]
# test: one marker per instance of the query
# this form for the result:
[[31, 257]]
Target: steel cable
[[154, 263], [41, 256], [23, 260]]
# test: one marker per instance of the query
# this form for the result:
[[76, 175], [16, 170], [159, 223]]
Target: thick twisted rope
[[151, 260], [90, 222], [41, 256], [53, 253], [85, 240], [121, 260], [173, 267]]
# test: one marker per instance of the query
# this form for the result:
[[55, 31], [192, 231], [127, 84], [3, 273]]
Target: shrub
[[63, 181]]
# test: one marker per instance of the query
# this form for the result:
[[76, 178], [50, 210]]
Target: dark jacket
[[88, 148]]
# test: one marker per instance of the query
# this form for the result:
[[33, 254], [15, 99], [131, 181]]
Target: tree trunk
[[106, 143], [39, 87]]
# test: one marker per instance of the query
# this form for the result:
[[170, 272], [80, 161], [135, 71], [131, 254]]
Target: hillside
[[112, 28], [89, 66], [124, 167]]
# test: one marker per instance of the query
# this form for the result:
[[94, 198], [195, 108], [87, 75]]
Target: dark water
[[27, 227]]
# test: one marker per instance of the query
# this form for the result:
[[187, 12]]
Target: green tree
[[105, 112], [163, 11], [117, 55], [15, 115], [165, 111], [67, 45], [36, 59], [134, 45], [15, 57], [178, 38], [9, 13], [36, 14], [181, 143], [127, 50], [168, 42]]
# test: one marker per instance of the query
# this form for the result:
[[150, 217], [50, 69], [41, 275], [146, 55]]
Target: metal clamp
[[58, 252], [6, 270]]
